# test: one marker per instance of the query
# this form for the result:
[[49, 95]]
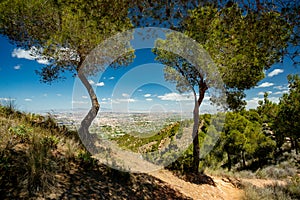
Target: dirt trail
[[224, 190]]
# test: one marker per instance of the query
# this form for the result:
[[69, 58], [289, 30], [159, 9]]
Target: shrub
[[40, 167], [22, 132], [86, 159], [50, 140], [71, 149], [283, 170], [293, 187], [267, 193]]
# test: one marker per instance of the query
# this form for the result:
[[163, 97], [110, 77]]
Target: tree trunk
[[292, 143], [296, 146], [244, 160], [196, 147], [229, 161], [86, 137]]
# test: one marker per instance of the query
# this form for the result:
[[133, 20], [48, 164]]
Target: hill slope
[[39, 159]]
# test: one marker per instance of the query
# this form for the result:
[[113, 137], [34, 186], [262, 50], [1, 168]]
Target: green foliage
[[50, 141], [293, 187], [136, 143], [40, 166], [266, 193], [22, 132], [86, 159], [267, 110], [184, 163], [63, 31], [239, 44], [287, 121], [281, 171], [8, 106], [31, 154], [242, 141], [283, 192]]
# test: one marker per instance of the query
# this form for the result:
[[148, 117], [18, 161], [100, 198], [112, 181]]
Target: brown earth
[[222, 190]]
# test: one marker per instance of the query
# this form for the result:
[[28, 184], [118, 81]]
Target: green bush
[[293, 187], [50, 140], [86, 159], [274, 192], [22, 132], [40, 168], [280, 171]]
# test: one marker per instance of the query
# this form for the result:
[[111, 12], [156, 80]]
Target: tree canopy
[[287, 121], [242, 45], [64, 32]]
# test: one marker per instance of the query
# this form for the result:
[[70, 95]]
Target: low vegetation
[[39, 159]]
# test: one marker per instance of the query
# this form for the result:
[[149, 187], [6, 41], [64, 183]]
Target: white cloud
[[84, 97], [253, 103], [125, 95], [275, 72], [43, 61], [140, 90], [265, 84], [91, 82], [27, 99], [149, 99], [29, 55], [274, 99], [281, 87], [147, 95], [100, 84], [7, 99], [59, 95], [176, 97], [45, 95], [103, 99], [282, 92], [111, 78], [80, 102], [127, 100], [17, 67], [21, 53]]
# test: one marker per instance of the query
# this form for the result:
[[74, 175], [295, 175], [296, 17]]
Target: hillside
[[41, 160]]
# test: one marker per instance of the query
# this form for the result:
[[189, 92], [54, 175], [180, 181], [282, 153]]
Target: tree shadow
[[103, 182], [196, 178]]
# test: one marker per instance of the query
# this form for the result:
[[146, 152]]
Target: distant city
[[109, 124]]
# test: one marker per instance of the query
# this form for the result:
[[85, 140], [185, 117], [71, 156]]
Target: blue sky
[[138, 87]]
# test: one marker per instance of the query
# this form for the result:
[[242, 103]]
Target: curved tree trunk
[[86, 137]]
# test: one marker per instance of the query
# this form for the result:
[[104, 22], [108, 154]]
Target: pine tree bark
[[87, 138]]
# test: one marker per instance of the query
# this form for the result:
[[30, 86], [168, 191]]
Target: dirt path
[[224, 190]]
